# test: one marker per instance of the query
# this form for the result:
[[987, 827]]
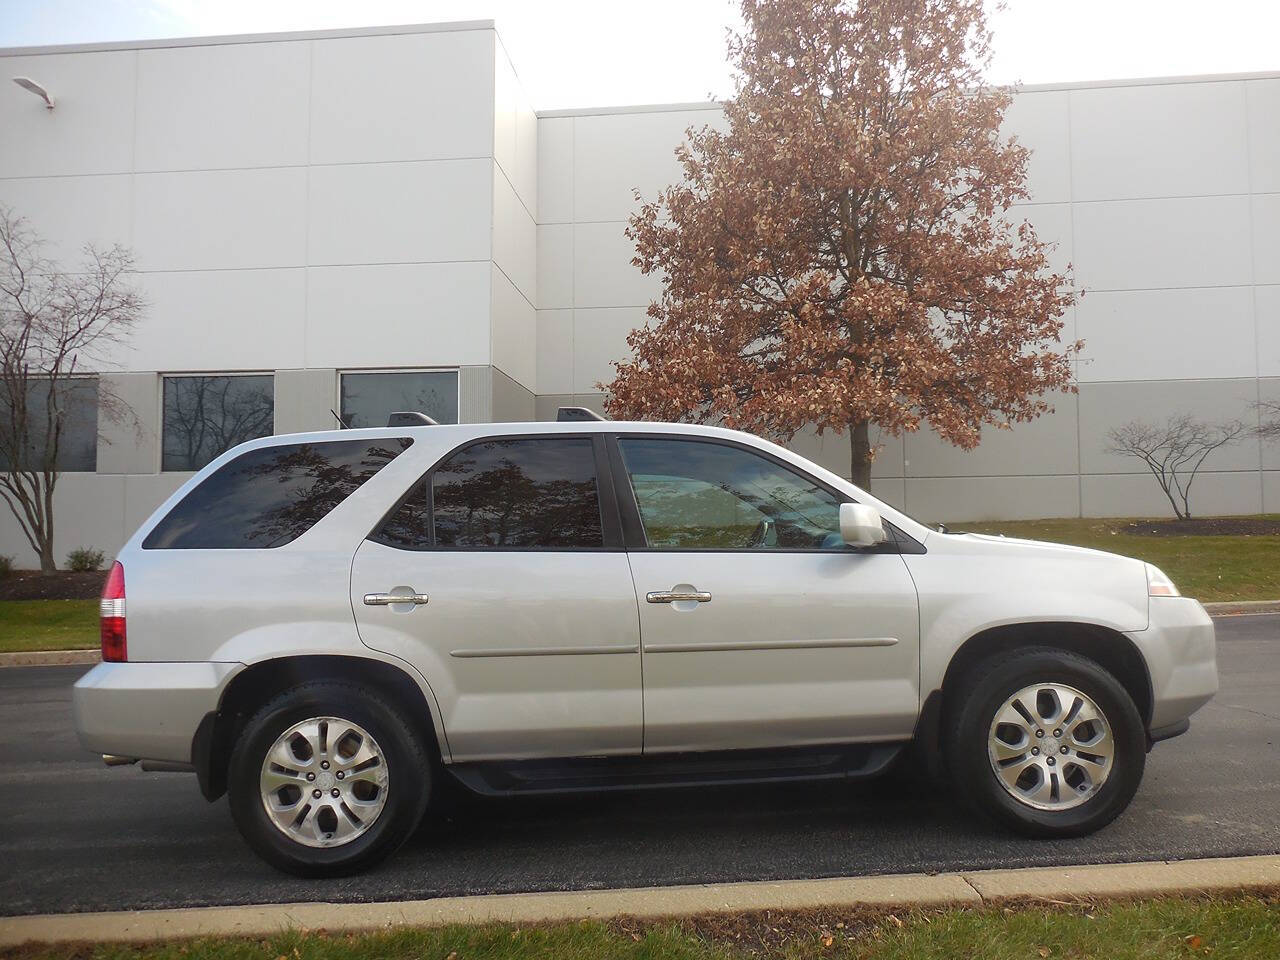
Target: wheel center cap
[[1050, 745], [324, 780]]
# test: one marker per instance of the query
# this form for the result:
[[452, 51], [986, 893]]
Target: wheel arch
[[1109, 648], [257, 683]]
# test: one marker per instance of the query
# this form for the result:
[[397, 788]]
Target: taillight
[[112, 609]]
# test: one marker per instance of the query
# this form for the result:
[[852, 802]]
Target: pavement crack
[[973, 887], [1256, 713]]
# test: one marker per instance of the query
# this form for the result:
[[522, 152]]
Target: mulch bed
[[1205, 527], [62, 585]]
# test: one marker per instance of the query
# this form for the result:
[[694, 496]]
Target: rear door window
[[537, 493], [272, 495]]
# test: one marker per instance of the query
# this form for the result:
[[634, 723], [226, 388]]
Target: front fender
[[962, 596]]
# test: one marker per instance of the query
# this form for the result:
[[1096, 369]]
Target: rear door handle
[[386, 599], [675, 596]]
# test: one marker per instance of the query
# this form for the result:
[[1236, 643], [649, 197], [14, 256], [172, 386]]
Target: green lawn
[[1244, 928], [48, 625], [1207, 568]]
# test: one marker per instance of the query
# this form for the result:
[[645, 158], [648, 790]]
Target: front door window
[[699, 495]]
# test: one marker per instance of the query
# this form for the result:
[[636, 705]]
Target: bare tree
[[1268, 419], [55, 324], [1174, 451]]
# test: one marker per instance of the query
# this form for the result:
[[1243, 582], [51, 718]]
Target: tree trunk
[[860, 454], [47, 564]]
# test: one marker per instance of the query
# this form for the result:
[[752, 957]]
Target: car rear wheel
[[326, 779], [1046, 742]]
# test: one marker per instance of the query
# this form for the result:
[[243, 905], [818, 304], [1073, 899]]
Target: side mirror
[[860, 525]]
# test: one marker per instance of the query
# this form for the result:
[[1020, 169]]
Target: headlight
[[1158, 585]]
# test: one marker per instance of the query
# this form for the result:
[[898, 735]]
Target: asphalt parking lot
[[78, 836]]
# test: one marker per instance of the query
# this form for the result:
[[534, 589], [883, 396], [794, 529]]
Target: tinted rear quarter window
[[272, 495]]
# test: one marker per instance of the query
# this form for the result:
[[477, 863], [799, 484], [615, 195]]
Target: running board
[[723, 767]]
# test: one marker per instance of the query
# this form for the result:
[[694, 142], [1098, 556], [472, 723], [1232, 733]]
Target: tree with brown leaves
[[55, 325], [843, 253]]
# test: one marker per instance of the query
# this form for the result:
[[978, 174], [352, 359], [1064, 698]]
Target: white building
[[317, 215]]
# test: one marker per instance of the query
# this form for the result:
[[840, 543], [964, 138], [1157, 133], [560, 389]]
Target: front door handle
[[386, 599], [675, 596]]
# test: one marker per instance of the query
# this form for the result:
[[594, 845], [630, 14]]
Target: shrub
[[6, 566], [85, 558]]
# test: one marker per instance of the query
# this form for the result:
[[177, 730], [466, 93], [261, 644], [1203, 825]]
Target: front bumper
[[148, 711], [1181, 654]]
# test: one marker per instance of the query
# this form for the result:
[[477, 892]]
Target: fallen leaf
[[1194, 941], [1043, 951], [828, 940]]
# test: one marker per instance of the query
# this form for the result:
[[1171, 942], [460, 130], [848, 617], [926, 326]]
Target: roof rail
[[410, 418], [576, 415]]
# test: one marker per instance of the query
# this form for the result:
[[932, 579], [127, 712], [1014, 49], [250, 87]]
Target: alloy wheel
[[1051, 747], [324, 782]]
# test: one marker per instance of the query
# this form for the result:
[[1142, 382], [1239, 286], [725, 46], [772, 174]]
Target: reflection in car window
[[696, 495], [516, 493], [270, 496], [409, 528]]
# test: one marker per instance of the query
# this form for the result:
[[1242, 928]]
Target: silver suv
[[324, 626]]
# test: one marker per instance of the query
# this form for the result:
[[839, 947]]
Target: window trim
[[179, 374], [356, 371], [633, 525], [610, 525]]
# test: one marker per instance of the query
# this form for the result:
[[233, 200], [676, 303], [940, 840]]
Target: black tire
[[969, 717], [407, 762]]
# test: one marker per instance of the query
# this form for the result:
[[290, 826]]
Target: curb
[[1083, 883], [1236, 608], [49, 658]]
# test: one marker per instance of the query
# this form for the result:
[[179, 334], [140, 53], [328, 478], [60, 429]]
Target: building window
[[77, 404], [369, 398], [206, 416]]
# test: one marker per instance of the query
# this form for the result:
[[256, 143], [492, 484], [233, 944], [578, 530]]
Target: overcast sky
[[576, 53]]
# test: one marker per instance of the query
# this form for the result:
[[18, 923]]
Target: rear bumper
[[150, 711], [1181, 653]]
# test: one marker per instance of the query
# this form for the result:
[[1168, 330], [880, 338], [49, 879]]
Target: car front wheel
[[1046, 742], [327, 780]]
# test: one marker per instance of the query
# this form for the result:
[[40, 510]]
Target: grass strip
[[1209, 568], [1206, 567], [27, 625], [1224, 928]]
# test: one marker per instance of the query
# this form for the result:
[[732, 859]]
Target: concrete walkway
[[1091, 883]]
